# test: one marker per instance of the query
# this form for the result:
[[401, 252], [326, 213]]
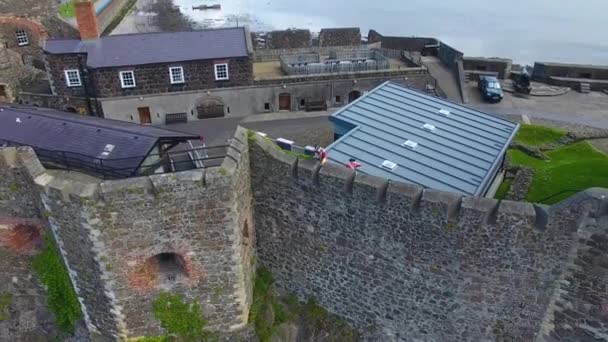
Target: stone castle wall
[[116, 236], [411, 264], [426, 265]]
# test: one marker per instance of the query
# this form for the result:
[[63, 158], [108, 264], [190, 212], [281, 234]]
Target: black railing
[[118, 168]]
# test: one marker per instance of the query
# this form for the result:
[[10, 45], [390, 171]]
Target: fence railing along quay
[[120, 168]]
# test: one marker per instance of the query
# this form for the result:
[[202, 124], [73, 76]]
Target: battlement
[[445, 205], [417, 263]]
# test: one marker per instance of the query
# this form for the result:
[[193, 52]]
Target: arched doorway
[[285, 101], [71, 109], [210, 107], [353, 95]]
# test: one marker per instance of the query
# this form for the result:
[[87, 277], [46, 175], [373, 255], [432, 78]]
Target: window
[[176, 74], [338, 99], [221, 72], [72, 78], [22, 38], [267, 106], [127, 79]]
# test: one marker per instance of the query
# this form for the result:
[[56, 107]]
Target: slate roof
[[461, 155], [84, 137], [150, 48]]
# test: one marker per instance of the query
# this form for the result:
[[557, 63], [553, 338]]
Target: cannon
[[522, 83]]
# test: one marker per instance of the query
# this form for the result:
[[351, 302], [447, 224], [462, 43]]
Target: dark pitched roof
[[149, 48], [48, 129], [459, 153]]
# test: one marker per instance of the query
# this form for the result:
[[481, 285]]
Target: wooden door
[[284, 102], [144, 115]]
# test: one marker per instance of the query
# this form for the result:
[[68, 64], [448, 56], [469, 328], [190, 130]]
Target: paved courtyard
[[587, 109]]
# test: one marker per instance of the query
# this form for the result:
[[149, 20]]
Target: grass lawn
[[504, 187], [571, 169], [533, 135]]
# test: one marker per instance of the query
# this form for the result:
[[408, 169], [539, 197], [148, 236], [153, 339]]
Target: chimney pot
[[86, 19]]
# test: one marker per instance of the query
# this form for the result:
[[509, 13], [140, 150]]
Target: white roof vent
[[410, 144], [389, 165], [444, 112], [428, 127]]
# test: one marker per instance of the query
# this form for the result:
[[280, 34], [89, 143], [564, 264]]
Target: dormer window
[[221, 72], [176, 74], [22, 38], [127, 79]]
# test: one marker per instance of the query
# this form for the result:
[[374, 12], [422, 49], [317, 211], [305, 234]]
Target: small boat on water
[[207, 7]]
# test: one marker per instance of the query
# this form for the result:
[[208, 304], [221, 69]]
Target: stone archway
[[353, 95], [210, 107], [71, 109]]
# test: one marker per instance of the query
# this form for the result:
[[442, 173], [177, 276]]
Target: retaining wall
[[419, 264]]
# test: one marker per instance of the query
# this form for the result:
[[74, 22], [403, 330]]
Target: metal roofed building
[[408, 136], [99, 147]]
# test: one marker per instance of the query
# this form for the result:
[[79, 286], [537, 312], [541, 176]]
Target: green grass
[[533, 135], [67, 9], [180, 318], [504, 187], [5, 302], [570, 169], [62, 300]]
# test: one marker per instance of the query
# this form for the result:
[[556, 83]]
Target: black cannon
[[522, 82]]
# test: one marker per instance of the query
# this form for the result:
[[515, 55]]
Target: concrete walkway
[[445, 77]]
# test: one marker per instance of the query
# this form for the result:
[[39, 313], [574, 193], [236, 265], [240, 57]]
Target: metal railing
[[119, 168]]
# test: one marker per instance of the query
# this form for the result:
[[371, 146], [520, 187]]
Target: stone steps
[[585, 87]]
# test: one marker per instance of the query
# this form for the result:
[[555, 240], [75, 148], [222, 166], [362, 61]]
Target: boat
[[207, 7]]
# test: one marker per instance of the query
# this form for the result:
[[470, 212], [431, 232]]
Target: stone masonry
[[115, 237], [411, 264], [423, 265], [149, 79]]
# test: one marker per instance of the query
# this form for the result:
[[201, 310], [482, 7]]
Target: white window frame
[[180, 73], [122, 78], [67, 78], [22, 38], [217, 76]]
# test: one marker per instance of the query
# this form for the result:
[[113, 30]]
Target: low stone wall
[[269, 55], [501, 66], [521, 184]]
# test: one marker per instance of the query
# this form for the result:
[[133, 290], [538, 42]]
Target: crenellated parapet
[[414, 263]]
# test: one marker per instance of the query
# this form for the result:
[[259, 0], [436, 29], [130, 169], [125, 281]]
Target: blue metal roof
[[460, 155]]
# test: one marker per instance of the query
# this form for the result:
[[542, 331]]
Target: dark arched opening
[[212, 107], [169, 267], [353, 95], [71, 109]]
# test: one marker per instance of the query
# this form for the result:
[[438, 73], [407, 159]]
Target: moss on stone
[[14, 187], [180, 319], [5, 302], [62, 300]]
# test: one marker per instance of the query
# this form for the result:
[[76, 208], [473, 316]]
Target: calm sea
[[525, 30]]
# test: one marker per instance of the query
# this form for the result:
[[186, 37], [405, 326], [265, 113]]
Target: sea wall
[[418, 264], [126, 241]]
